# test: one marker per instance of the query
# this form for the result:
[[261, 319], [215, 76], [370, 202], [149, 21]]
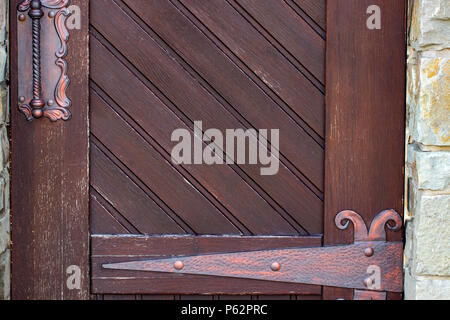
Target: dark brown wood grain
[[102, 220], [49, 198], [159, 65], [316, 9], [264, 60], [284, 24], [131, 149], [128, 199], [304, 207], [232, 84], [365, 115], [130, 80]]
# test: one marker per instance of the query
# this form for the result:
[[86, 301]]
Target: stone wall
[[4, 158], [427, 265]]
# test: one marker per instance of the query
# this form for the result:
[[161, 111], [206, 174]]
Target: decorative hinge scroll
[[370, 265], [48, 88]]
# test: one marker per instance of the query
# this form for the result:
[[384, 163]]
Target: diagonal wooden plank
[[246, 205], [230, 82], [159, 175], [316, 9], [265, 61], [127, 198], [158, 121], [166, 157], [238, 63], [101, 221], [277, 44], [291, 31]]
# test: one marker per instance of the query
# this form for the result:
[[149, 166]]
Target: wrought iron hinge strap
[[54, 108], [370, 263]]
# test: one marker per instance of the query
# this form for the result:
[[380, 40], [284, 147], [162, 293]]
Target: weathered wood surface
[[365, 115], [150, 77], [49, 198], [232, 64]]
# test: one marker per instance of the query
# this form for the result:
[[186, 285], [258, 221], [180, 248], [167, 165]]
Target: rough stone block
[[3, 63], [5, 275], [4, 148], [430, 24], [3, 20], [432, 105], [4, 232], [431, 170], [4, 105], [431, 236], [6, 178], [422, 288]]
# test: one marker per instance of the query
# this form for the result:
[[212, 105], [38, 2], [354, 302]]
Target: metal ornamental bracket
[[370, 265], [42, 41]]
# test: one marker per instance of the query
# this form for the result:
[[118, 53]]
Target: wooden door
[[333, 88]]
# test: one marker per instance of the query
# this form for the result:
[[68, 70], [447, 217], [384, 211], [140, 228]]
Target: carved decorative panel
[[43, 77]]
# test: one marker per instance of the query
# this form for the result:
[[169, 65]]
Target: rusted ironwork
[[370, 263], [34, 109], [340, 266], [369, 252], [38, 107], [377, 232], [178, 265], [275, 266]]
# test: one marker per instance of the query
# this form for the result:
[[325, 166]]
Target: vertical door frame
[[49, 181], [365, 116], [364, 163]]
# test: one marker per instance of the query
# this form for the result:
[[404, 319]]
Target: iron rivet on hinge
[[178, 265], [275, 266], [21, 99], [369, 252], [51, 14], [50, 102], [22, 17]]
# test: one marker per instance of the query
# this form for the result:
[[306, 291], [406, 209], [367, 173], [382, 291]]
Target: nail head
[[178, 265], [369, 252], [275, 266]]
